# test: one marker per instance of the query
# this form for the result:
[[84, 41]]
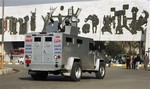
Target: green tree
[[132, 46], [114, 48]]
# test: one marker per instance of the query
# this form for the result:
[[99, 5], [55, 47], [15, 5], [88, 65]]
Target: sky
[[30, 2]]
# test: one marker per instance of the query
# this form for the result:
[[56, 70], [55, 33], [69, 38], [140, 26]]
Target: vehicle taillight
[[28, 61], [27, 57], [58, 57]]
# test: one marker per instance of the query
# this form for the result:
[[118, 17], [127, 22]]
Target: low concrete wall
[[6, 70]]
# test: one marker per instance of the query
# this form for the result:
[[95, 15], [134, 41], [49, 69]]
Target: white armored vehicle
[[62, 52]]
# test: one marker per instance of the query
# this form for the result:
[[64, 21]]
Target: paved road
[[116, 78]]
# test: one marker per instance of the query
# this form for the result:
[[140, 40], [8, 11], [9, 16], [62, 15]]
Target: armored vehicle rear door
[[37, 49], [42, 49], [47, 49]]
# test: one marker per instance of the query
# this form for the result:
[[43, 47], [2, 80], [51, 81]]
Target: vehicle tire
[[76, 71], [100, 74], [40, 76]]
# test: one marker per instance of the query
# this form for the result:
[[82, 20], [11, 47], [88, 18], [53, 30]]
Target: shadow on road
[[147, 69], [56, 78]]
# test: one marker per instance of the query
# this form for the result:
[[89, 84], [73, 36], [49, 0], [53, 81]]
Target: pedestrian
[[138, 59], [133, 61], [128, 60], [146, 61], [109, 60], [11, 57]]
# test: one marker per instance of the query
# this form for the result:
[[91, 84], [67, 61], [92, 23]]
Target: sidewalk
[[124, 65], [6, 70]]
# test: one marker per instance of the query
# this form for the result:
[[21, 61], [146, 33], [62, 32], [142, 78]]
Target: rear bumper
[[43, 67], [48, 71]]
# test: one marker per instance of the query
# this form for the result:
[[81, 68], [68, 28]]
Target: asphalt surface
[[116, 78]]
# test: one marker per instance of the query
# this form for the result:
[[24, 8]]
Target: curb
[[6, 71], [124, 65], [11, 63]]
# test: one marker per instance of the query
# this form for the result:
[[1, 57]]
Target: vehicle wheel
[[40, 76], [76, 72], [100, 74]]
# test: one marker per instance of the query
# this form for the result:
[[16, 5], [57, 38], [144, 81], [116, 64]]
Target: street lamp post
[[2, 49]]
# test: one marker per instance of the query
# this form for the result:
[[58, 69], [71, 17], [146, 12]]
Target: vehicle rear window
[[79, 41], [48, 39], [37, 39], [68, 39]]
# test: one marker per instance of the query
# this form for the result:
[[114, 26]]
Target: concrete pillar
[[7, 47], [147, 41]]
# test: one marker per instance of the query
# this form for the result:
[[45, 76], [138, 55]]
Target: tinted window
[[68, 39], [79, 41], [37, 39], [91, 46], [48, 39]]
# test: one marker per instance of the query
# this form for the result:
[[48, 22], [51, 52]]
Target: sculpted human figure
[[25, 24], [133, 24], [33, 21], [48, 18], [20, 20], [142, 20], [119, 26], [107, 24], [14, 25], [95, 22]]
